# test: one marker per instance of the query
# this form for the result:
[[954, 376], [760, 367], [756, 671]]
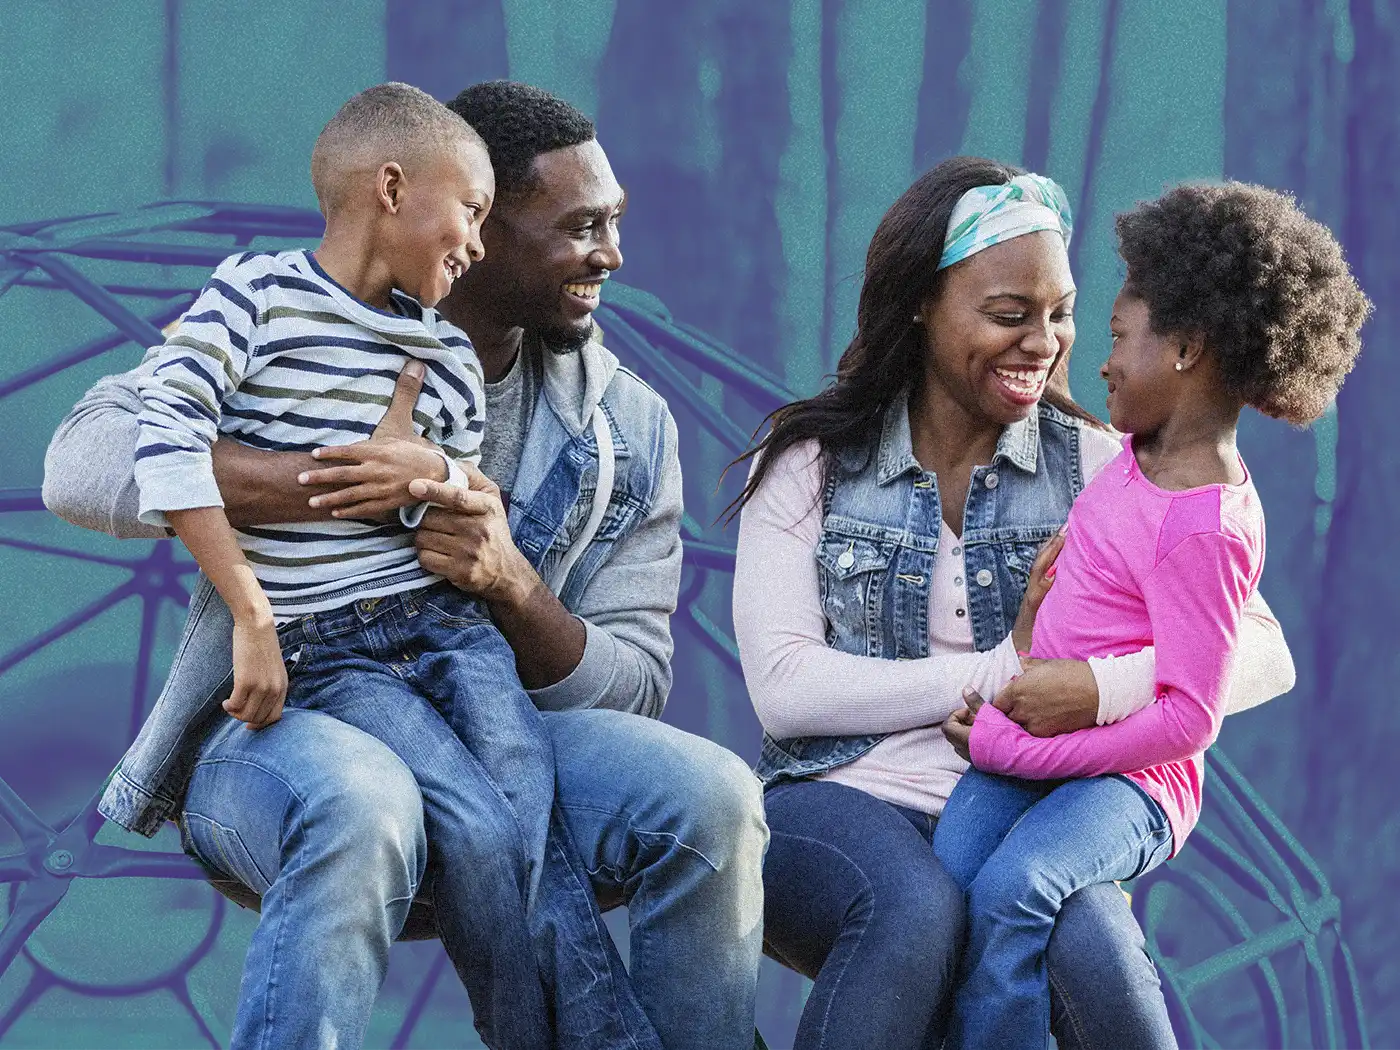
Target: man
[[324, 823]]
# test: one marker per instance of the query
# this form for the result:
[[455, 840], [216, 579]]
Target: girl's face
[[1003, 319], [1141, 368]]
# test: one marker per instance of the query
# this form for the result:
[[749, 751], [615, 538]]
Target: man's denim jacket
[[880, 531], [622, 583]]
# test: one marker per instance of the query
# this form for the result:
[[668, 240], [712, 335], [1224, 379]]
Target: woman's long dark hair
[[886, 355]]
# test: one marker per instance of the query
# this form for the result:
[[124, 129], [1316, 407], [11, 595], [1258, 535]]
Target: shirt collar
[[1018, 445]]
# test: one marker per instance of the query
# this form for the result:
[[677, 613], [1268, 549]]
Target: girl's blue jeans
[[1019, 848]]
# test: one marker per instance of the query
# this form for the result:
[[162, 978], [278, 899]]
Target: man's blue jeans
[[427, 673], [856, 900], [1020, 848], [325, 824]]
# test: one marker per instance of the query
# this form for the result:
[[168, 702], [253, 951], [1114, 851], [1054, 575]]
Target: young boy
[[300, 350]]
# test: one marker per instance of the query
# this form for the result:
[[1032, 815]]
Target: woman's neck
[[947, 438]]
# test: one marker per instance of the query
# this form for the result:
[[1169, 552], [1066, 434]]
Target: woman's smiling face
[[999, 323]]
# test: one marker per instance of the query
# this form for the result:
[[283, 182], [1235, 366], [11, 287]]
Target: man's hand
[[1051, 697], [373, 483], [958, 727], [259, 675], [466, 538], [1041, 577]]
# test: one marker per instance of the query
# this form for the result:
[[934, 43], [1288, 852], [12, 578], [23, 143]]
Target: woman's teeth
[[1023, 381]]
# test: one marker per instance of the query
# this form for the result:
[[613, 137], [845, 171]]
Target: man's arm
[[612, 648], [89, 469]]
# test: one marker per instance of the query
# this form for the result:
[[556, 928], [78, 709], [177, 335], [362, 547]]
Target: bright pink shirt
[[1143, 566]]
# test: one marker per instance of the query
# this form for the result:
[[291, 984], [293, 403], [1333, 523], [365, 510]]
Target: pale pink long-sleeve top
[[1143, 566], [799, 686]]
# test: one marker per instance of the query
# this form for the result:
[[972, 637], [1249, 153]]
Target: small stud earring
[[1178, 366], [917, 318]]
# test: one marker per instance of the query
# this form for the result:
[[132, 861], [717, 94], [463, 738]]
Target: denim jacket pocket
[[851, 574]]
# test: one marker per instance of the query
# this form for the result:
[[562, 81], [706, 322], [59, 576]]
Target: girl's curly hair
[[1266, 287]]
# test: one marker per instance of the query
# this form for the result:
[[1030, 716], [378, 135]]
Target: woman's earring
[[918, 318]]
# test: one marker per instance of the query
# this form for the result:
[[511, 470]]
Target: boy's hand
[[1041, 577], [259, 675], [958, 727]]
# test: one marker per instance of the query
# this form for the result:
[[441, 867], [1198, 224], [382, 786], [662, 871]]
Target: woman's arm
[[800, 686], [1263, 669], [1195, 599]]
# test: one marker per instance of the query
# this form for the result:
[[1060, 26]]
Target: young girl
[[1233, 297]]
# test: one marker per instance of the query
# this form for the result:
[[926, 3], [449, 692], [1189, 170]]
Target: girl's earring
[[1178, 366]]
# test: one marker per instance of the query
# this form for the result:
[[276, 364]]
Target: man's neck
[[496, 344]]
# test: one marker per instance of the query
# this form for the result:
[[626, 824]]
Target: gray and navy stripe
[[278, 356]]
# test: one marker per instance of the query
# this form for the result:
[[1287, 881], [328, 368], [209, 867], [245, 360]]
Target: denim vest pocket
[[851, 572]]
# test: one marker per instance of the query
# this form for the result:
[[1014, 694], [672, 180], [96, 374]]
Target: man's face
[[549, 251]]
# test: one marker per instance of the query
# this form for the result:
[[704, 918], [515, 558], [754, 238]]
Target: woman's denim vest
[[880, 530]]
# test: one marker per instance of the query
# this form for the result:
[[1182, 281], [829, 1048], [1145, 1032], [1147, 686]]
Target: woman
[[889, 532]]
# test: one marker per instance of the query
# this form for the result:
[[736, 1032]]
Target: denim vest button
[[846, 560], [990, 481], [984, 577]]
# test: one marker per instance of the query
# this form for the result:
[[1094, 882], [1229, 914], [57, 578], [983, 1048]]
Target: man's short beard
[[563, 341]]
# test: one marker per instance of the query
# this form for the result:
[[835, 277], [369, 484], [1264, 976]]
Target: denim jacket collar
[[1019, 443]]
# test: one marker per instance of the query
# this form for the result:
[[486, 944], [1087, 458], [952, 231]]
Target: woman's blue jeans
[[855, 899], [1020, 848]]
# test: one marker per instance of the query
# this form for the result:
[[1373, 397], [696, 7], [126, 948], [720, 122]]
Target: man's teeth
[[1023, 380], [584, 291]]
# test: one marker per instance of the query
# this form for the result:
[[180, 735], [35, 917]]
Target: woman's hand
[[1051, 697], [1042, 576], [259, 675], [957, 730]]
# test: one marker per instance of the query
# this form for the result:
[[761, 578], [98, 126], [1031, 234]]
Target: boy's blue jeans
[[427, 673], [1019, 848]]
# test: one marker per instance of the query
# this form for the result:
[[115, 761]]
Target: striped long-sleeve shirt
[[279, 356]]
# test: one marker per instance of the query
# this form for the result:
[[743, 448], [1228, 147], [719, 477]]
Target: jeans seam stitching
[[865, 879]]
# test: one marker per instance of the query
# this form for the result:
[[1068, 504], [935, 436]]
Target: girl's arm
[[1263, 669], [1195, 599], [800, 686]]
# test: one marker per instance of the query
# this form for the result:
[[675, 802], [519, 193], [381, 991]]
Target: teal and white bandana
[[988, 215]]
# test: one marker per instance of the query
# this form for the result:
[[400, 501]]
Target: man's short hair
[[388, 122], [518, 123]]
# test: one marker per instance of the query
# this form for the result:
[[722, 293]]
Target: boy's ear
[[389, 186]]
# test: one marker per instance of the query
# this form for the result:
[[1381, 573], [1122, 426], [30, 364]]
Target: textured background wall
[[760, 143]]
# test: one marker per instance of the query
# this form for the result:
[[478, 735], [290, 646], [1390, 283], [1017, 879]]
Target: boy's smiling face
[[436, 227]]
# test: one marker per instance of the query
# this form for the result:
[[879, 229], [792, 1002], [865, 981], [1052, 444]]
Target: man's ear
[[389, 186]]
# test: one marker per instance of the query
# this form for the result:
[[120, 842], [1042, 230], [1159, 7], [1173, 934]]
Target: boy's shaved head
[[388, 122]]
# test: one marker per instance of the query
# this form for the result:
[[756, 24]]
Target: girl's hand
[[1042, 576], [1050, 697], [374, 480], [957, 730], [259, 675]]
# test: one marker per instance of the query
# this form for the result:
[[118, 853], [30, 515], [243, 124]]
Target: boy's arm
[[89, 469], [259, 675]]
